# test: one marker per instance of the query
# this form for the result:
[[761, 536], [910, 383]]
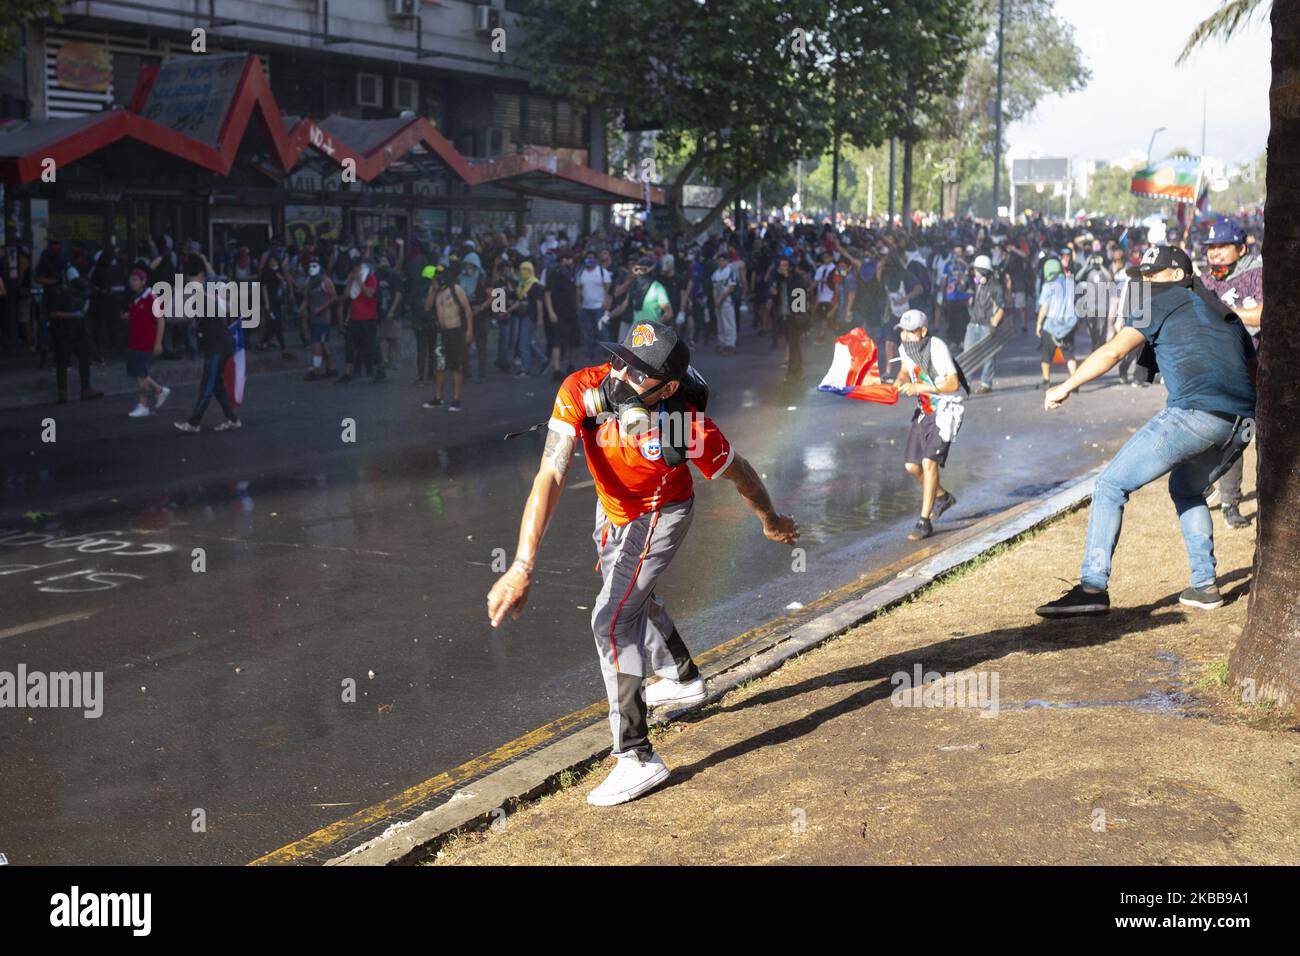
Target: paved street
[[328, 560]]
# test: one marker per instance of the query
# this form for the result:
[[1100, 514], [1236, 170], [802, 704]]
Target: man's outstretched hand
[[782, 528], [508, 595], [1055, 396]]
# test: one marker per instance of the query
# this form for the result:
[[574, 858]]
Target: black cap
[[654, 348], [1159, 258], [646, 262]]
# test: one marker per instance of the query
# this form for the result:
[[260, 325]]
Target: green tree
[[1040, 59], [738, 89], [14, 13]]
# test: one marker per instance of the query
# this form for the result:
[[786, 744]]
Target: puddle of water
[[1167, 703]]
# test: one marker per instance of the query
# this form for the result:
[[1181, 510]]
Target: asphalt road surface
[[326, 561]]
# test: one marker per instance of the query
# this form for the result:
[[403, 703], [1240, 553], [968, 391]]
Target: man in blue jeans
[[1208, 363], [987, 307]]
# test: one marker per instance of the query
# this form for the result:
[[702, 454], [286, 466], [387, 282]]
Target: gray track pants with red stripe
[[635, 637]]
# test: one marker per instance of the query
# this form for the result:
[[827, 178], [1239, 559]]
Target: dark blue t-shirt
[[1203, 357]]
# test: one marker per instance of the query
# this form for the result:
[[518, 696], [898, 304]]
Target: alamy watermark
[[193, 300], [79, 690], [976, 690]]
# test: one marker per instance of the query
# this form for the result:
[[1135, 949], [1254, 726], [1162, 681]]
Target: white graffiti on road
[[77, 580], [84, 543]]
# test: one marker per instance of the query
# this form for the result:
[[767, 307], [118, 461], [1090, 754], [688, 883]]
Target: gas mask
[[618, 398]]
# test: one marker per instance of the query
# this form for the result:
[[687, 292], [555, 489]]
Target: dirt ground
[[1115, 740]]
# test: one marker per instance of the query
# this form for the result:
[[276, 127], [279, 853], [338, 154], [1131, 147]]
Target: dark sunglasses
[[634, 375]]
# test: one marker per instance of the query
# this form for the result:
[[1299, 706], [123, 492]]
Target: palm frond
[[1222, 23]]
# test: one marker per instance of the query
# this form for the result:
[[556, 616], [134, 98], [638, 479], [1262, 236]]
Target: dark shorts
[[923, 441], [562, 334], [889, 334], [454, 348], [138, 364], [320, 332], [1049, 345]]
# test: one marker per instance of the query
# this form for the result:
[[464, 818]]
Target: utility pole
[[997, 117], [893, 148], [835, 178]]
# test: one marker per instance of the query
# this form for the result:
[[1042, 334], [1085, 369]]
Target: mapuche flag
[[1175, 178], [855, 372]]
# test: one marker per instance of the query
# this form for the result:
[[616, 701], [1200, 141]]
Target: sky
[[1133, 62]]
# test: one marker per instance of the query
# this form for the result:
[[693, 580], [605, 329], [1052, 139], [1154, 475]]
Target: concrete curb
[[528, 776]]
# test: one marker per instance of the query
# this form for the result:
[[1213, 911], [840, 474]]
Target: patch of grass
[[1213, 675], [37, 515]]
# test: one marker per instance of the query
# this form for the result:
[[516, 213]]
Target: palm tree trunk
[[1266, 661]]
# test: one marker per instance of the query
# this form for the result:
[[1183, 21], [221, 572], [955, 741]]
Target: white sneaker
[[671, 693], [228, 426], [187, 427], [140, 411], [161, 397], [630, 778]]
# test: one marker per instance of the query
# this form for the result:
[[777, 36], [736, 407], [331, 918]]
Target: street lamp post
[[1154, 133]]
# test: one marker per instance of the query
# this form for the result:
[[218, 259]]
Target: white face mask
[[313, 269]]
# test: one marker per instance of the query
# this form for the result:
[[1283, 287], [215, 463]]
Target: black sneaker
[[1233, 518], [1207, 599], [454, 406], [343, 380], [922, 530], [942, 504], [1076, 601], [433, 403], [1045, 384]]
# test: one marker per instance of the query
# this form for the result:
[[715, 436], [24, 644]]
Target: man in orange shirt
[[640, 419]]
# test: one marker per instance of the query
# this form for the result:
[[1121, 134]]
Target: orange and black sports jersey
[[630, 475]]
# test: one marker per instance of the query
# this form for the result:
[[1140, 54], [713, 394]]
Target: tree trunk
[[693, 229], [1266, 661]]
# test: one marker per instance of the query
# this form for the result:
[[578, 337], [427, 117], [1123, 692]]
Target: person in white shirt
[[823, 278], [593, 281], [930, 375], [724, 283]]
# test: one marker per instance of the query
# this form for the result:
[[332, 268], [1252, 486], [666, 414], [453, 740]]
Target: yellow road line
[[48, 622]]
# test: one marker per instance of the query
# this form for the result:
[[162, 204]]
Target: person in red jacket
[[144, 343]]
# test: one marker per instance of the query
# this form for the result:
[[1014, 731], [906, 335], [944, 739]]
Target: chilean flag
[[854, 371], [235, 369]]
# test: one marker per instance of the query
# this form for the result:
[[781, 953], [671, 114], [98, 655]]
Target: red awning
[[205, 128], [198, 109], [549, 177]]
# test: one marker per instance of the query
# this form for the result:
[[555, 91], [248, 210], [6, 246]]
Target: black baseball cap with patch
[[1159, 258], [653, 348]]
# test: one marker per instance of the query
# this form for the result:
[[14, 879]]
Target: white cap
[[982, 262], [911, 320]]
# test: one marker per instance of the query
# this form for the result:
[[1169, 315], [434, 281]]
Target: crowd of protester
[[504, 304]]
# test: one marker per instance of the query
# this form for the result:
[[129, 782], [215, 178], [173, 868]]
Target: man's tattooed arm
[[558, 452], [750, 486], [545, 497], [776, 527]]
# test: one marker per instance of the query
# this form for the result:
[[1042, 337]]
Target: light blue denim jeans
[[976, 333], [1186, 445]]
